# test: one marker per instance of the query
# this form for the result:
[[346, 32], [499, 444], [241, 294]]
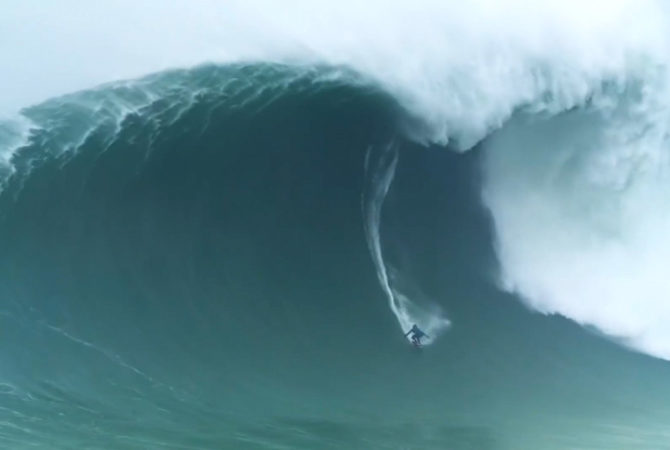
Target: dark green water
[[184, 265]]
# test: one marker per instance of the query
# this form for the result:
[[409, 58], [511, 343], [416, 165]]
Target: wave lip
[[461, 69]]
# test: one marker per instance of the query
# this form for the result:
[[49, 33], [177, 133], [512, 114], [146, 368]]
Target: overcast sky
[[53, 47]]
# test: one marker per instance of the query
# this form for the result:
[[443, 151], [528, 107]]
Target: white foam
[[380, 165], [14, 134], [581, 207], [461, 66]]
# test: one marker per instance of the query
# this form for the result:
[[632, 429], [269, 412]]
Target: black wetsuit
[[417, 334]]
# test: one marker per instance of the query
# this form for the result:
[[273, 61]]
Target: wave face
[[206, 258], [579, 220]]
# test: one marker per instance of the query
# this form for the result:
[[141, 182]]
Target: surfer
[[417, 334]]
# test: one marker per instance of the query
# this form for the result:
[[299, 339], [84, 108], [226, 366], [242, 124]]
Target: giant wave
[[151, 220], [469, 71]]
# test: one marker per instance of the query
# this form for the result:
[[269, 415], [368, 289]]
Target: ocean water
[[227, 256]]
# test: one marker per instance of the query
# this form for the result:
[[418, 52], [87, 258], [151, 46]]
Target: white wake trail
[[380, 167]]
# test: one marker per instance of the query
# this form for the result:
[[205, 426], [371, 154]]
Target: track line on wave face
[[108, 354], [380, 170], [179, 395]]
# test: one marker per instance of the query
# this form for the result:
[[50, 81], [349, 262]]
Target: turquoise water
[[185, 264]]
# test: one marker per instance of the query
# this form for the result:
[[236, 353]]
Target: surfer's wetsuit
[[417, 334]]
